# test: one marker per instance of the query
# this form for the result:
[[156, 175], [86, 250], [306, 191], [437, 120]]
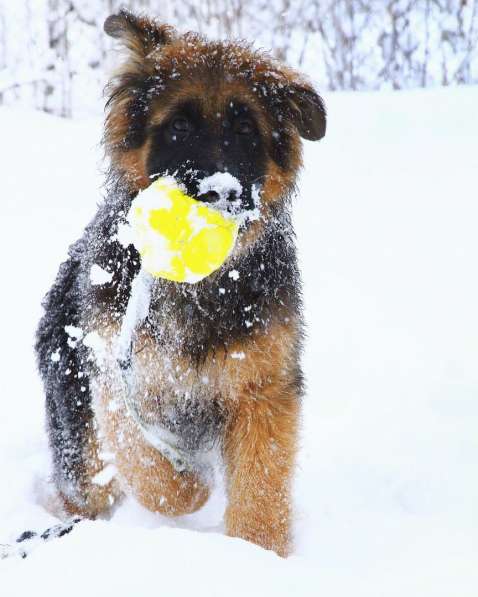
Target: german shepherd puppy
[[216, 363]]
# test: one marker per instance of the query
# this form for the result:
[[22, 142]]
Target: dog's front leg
[[259, 449]]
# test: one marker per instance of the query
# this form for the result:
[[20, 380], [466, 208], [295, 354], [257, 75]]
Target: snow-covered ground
[[387, 488]]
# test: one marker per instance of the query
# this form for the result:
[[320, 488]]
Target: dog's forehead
[[211, 59], [213, 100], [216, 74]]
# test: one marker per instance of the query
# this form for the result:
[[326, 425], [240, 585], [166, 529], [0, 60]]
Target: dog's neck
[[257, 283]]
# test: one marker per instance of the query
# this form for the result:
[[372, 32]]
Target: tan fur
[[260, 442], [134, 163], [260, 447], [142, 470]]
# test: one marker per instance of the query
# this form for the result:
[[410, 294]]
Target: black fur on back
[[62, 368]]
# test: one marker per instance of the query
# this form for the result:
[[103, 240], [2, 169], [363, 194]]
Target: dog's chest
[[181, 401], [194, 354], [193, 321], [174, 393]]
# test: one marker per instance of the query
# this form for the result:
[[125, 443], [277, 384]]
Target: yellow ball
[[178, 237]]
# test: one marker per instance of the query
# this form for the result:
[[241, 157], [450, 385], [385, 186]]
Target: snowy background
[[386, 490], [54, 55]]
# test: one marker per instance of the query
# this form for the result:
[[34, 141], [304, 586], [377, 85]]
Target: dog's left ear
[[307, 111], [140, 35]]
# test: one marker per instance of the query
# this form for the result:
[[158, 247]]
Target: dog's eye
[[244, 126], [180, 125]]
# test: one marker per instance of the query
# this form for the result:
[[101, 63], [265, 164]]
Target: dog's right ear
[[307, 111], [140, 35]]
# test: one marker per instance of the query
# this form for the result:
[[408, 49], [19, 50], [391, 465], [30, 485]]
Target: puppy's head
[[190, 108]]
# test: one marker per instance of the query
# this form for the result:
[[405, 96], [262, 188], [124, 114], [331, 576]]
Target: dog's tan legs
[[156, 484], [260, 448], [142, 471], [95, 501]]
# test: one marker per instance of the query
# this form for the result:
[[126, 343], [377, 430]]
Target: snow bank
[[387, 488], [163, 561]]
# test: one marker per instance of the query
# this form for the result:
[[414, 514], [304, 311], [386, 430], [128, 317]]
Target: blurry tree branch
[[55, 57]]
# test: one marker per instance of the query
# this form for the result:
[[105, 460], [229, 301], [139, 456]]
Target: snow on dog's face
[[189, 108]]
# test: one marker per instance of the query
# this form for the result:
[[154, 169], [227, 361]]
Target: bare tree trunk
[[58, 12], [2, 48]]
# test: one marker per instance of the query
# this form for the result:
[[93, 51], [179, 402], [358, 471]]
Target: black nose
[[213, 196], [209, 197]]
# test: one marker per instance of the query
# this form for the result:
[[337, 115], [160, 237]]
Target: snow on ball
[[178, 237]]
